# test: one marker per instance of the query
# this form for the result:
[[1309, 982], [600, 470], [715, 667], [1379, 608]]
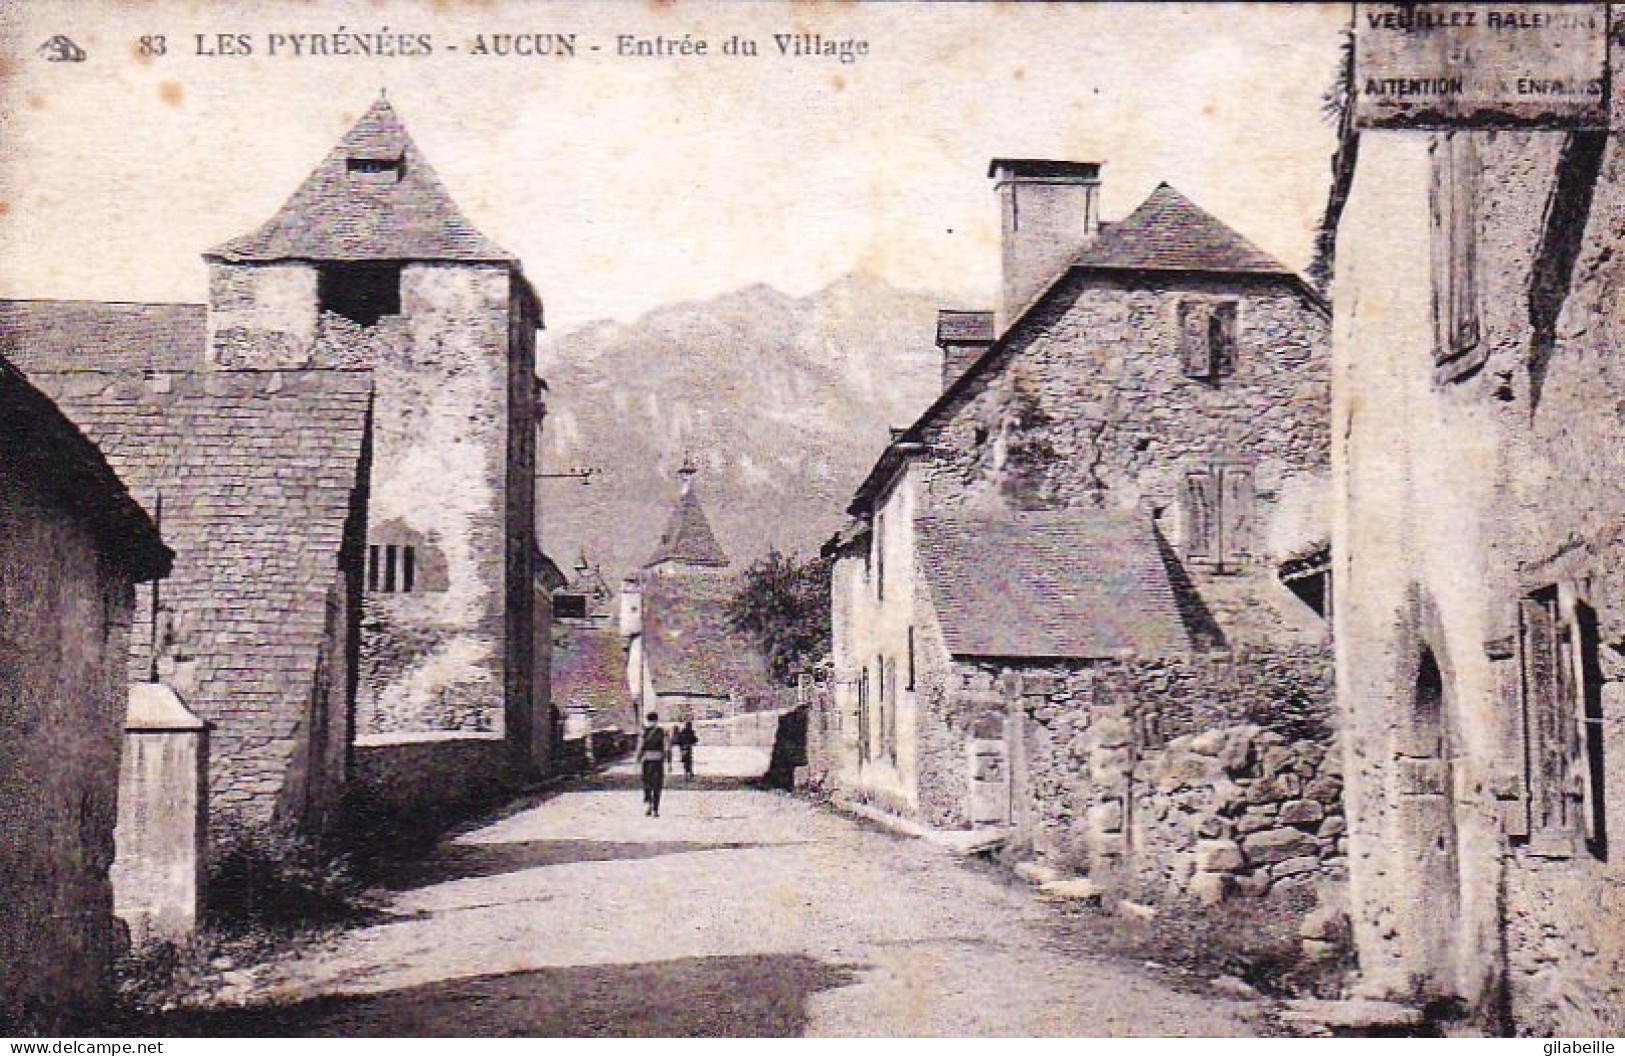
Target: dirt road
[[737, 912]]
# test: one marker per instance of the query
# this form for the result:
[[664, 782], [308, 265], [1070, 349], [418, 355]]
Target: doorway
[[1430, 848]]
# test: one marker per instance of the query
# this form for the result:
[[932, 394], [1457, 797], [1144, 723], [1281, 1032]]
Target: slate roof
[[49, 455], [688, 644], [1070, 584], [549, 576], [589, 667], [1169, 232], [68, 335], [252, 476], [687, 538], [339, 214]]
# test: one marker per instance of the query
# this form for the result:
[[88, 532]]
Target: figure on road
[[685, 740], [652, 757]]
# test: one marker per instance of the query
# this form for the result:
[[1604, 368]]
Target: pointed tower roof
[[375, 197], [688, 539], [1169, 232]]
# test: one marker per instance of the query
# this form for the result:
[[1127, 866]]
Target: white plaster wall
[[261, 315], [1414, 467]]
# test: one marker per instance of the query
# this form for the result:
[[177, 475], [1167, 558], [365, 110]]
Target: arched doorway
[[1430, 840]]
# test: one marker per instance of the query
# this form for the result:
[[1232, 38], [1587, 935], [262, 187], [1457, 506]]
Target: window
[[1207, 338], [1218, 506], [1563, 720], [391, 569], [376, 170], [888, 692], [863, 717], [880, 557], [1453, 246], [882, 699], [361, 292], [569, 606], [911, 659]]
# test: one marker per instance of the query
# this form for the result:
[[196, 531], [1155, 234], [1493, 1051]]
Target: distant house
[[73, 544], [589, 659], [947, 595], [1122, 454], [684, 658]]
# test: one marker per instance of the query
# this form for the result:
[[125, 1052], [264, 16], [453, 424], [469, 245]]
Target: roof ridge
[[104, 304]]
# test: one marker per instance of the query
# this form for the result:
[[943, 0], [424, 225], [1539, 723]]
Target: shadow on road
[[760, 996], [463, 861]]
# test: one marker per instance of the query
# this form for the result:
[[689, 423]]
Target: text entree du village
[[387, 44]]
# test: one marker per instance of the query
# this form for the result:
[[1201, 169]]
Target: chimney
[[1047, 211], [963, 337]]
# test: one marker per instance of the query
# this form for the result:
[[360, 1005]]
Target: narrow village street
[[737, 912]]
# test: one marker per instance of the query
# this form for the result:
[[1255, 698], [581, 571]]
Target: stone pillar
[[162, 831]]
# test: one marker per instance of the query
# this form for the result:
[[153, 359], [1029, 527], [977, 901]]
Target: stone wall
[[1208, 776], [754, 730], [1090, 405], [435, 659], [64, 631], [1463, 491], [259, 479], [424, 779], [454, 414]]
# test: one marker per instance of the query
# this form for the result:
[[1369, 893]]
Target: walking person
[[671, 748], [652, 757], [685, 740]]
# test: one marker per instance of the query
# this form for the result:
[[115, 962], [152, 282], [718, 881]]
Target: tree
[[783, 604]]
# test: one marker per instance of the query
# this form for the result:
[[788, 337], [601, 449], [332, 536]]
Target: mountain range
[[783, 403]]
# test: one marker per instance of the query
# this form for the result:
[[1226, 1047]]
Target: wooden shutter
[[1195, 338], [1201, 514], [1586, 748], [1543, 686], [1221, 337], [1454, 195], [891, 709], [1236, 504], [863, 716]]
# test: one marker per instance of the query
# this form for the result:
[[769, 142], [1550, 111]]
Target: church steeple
[[688, 543]]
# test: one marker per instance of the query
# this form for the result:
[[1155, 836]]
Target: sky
[[625, 183]]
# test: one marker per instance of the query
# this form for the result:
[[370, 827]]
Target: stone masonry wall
[[435, 658], [1462, 497], [1091, 406], [62, 702], [1203, 777]]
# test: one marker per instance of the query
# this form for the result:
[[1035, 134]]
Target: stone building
[[73, 543], [342, 446], [589, 659], [370, 264], [258, 479], [1088, 522], [683, 658], [1480, 620]]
